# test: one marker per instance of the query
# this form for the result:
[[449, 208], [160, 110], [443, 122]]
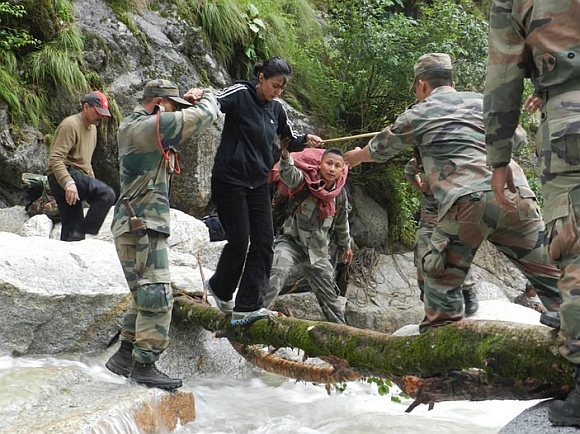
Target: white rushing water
[[268, 404], [262, 403]]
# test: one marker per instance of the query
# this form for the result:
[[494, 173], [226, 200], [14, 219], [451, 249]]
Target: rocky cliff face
[[161, 46]]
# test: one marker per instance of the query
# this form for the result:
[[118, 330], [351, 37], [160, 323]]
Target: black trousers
[[96, 193], [246, 215]]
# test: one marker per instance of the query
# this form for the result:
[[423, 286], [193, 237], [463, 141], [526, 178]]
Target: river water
[[268, 404], [262, 403]]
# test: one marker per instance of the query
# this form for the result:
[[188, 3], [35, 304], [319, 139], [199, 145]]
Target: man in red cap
[[70, 174]]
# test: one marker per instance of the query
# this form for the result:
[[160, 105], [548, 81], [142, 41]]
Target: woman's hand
[[314, 141], [193, 95]]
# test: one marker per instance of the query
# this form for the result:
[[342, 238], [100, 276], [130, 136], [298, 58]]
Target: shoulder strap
[[296, 198]]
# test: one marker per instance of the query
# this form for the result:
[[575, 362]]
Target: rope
[[362, 271]]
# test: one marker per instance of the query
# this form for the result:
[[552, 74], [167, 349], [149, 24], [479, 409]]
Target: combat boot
[[551, 319], [121, 362], [470, 301], [148, 375], [567, 413]]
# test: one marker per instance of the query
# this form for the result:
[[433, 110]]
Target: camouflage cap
[[431, 62], [164, 89]]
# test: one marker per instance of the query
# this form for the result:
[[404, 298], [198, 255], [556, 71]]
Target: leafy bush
[[54, 63]]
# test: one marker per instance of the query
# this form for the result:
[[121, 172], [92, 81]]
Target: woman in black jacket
[[239, 187]]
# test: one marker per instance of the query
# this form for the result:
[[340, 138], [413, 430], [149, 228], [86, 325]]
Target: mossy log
[[473, 360]]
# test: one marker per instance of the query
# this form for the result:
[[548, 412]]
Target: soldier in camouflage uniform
[[427, 222], [446, 126], [141, 221], [529, 299], [305, 237], [541, 40]]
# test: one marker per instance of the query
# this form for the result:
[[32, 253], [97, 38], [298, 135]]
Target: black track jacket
[[245, 154]]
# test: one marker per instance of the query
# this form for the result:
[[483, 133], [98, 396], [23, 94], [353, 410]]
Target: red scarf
[[308, 161]]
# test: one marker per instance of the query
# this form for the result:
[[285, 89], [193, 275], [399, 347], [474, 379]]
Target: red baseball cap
[[99, 101]]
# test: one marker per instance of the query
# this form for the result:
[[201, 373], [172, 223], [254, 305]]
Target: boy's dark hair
[[335, 151], [273, 67], [437, 79]]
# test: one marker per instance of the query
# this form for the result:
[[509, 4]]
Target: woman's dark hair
[[273, 67], [335, 151]]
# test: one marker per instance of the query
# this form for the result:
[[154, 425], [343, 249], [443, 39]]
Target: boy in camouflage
[[528, 298], [305, 237], [148, 141], [541, 40], [427, 223], [446, 126]]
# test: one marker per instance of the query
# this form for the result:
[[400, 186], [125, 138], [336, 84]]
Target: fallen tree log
[[474, 360]]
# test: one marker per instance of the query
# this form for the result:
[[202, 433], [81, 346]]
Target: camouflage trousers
[[561, 191], [146, 267], [457, 236], [320, 276], [422, 246]]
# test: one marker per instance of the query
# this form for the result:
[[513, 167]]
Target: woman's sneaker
[[225, 306], [243, 318]]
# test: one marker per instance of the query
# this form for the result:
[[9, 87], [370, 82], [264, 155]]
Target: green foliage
[[27, 76], [372, 50], [13, 38], [58, 62], [245, 32], [384, 388]]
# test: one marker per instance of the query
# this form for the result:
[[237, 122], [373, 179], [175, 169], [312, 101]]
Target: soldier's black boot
[[567, 413], [470, 301], [148, 375], [121, 362], [551, 319]]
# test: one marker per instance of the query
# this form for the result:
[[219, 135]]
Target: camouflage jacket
[[539, 40], [526, 301], [447, 128], [145, 174], [304, 226]]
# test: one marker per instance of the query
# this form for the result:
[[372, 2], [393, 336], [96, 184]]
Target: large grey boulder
[[57, 297], [369, 221]]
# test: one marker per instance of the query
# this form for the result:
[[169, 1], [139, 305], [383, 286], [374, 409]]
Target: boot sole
[[245, 321], [115, 368], [550, 322], [156, 385]]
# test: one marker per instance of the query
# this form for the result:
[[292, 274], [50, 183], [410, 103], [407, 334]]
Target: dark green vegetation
[[353, 63], [40, 51]]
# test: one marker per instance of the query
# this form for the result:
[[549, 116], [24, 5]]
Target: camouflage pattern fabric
[[305, 227], [447, 129], [145, 176], [146, 267], [540, 40], [320, 277], [305, 239], [524, 300], [427, 222], [446, 123], [456, 238]]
